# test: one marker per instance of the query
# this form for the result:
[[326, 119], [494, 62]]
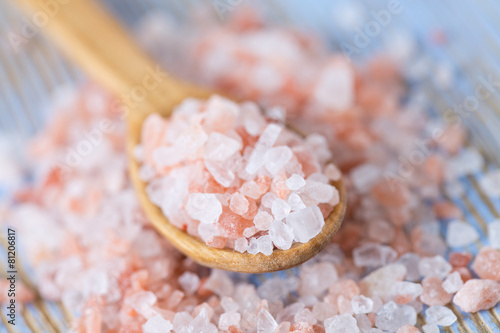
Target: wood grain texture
[[92, 38]]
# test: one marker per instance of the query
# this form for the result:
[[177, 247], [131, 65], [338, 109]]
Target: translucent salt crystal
[[296, 202], [265, 245], [332, 172], [201, 323], [466, 162], [280, 209], [440, 315], [460, 233], [189, 282], [229, 319], [268, 199], [318, 177], [487, 264], [253, 246], [204, 207], [430, 328], [295, 182], [167, 156], [363, 322], [306, 223], [410, 260], [373, 255], [220, 147], [277, 158], [306, 316], [392, 316], [265, 322], [434, 266], [250, 189], [344, 323], [281, 235], [316, 278], [220, 283], [238, 203], [494, 234], [453, 283], [142, 302], [229, 304], [364, 176], [220, 172], [477, 295], [361, 304], [314, 193], [490, 183], [265, 142], [263, 220], [380, 282], [322, 310], [207, 231], [407, 288], [157, 324], [253, 121], [283, 327]]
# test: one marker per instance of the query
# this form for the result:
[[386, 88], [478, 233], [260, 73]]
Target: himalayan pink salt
[[453, 283], [373, 255], [434, 266], [460, 233], [305, 223], [295, 182], [157, 324], [392, 316], [440, 315], [447, 210], [380, 282], [381, 231], [477, 295], [433, 292], [238, 203], [281, 235], [406, 289], [408, 329], [361, 304], [341, 323], [487, 264], [459, 259], [229, 319]]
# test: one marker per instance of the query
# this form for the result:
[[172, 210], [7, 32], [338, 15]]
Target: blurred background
[[449, 48]]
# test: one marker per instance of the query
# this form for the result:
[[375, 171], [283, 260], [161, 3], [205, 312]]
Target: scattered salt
[[490, 183], [440, 315], [460, 234]]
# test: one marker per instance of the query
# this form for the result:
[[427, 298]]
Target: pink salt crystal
[[301, 327], [232, 225], [189, 282], [238, 203], [453, 283], [266, 322], [229, 319], [413, 290], [434, 266], [332, 172], [249, 232], [157, 324], [220, 147], [295, 182], [347, 288], [381, 231], [477, 295], [408, 329], [250, 189], [433, 292], [452, 139], [380, 282], [341, 323], [447, 210], [459, 259], [487, 264], [391, 194]]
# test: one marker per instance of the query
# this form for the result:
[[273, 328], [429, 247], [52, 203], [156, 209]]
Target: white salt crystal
[[363, 322], [281, 235], [410, 260], [250, 231], [189, 282], [280, 209], [490, 183], [204, 207], [253, 245], [332, 172], [440, 315], [430, 328], [220, 283], [182, 321], [306, 223], [265, 322], [265, 142], [268, 199], [305, 315], [277, 158], [434, 266], [220, 147], [157, 324], [318, 177], [201, 323], [361, 304], [253, 120], [314, 193], [363, 177], [167, 156], [392, 316], [316, 278], [241, 244], [460, 233], [295, 202], [221, 173], [295, 182], [335, 87], [265, 245], [229, 304], [453, 283], [494, 234], [467, 161], [263, 220], [344, 323], [229, 319], [373, 255], [380, 282], [407, 288]]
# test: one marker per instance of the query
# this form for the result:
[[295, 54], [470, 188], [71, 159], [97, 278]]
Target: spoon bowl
[[98, 44]]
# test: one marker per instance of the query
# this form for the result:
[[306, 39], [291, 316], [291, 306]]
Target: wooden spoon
[[96, 42]]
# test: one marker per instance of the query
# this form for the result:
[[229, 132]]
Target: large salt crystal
[[281, 235], [487, 264], [468, 161], [460, 234], [322, 310], [220, 283], [157, 324], [440, 315], [296, 202], [314, 193], [380, 282], [306, 223], [253, 120], [344, 323], [305, 316], [361, 304], [265, 322], [241, 244], [295, 182], [268, 199], [263, 145], [250, 189], [238, 203], [276, 289], [229, 319], [494, 234], [434, 266], [201, 323], [221, 173], [263, 220], [189, 282], [316, 278], [204, 207], [453, 283], [407, 288], [490, 183], [220, 147], [410, 260], [265, 245], [392, 316], [373, 255], [280, 209], [277, 158], [430, 328], [477, 295]]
